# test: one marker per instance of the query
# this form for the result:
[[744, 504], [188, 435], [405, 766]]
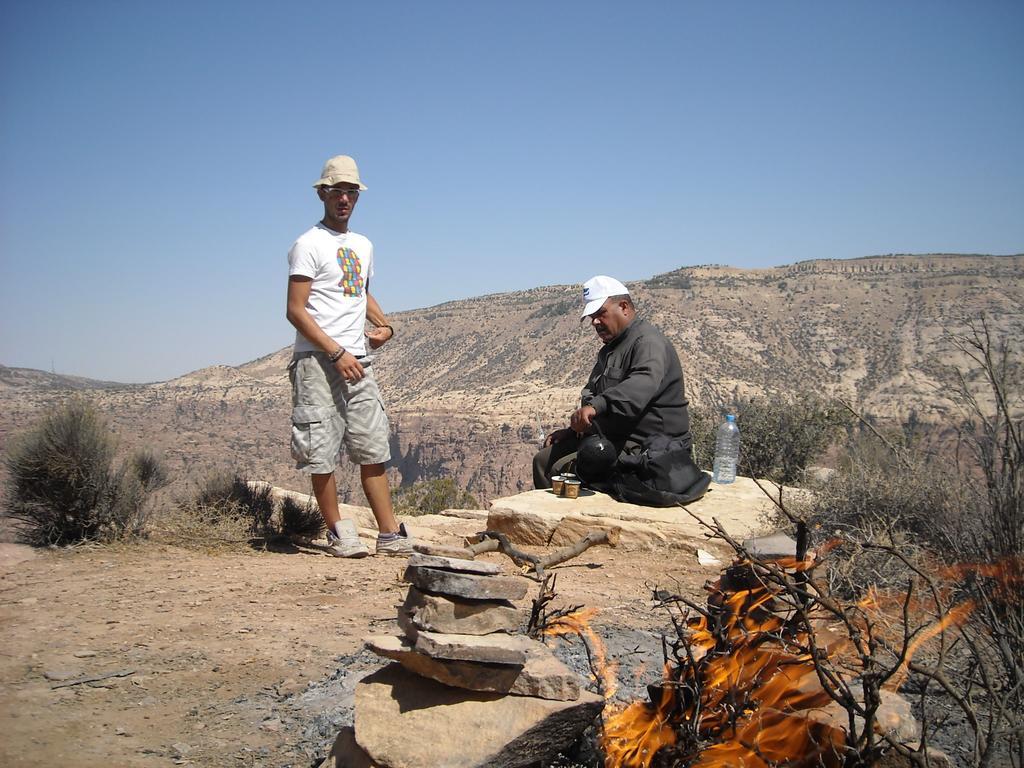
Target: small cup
[[572, 488], [557, 485]]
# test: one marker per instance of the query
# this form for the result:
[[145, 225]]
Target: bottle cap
[[730, 417]]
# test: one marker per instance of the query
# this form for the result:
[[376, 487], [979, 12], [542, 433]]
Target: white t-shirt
[[341, 265]]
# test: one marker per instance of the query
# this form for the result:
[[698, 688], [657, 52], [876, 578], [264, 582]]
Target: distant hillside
[[30, 377], [467, 382]]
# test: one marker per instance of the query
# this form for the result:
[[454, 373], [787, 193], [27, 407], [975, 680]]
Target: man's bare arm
[[382, 331]]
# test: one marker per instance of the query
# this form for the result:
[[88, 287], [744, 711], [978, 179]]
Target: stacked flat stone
[[469, 689]]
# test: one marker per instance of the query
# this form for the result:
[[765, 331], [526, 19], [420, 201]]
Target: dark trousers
[[552, 460]]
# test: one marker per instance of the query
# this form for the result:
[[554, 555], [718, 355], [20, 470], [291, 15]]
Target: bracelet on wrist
[[390, 328], [336, 356]]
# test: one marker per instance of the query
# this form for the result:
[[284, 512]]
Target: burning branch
[[758, 676], [574, 620]]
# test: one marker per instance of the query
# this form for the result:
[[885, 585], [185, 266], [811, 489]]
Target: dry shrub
[[63, 486], [901, 513], [226, 494], [206, 529], [874, 501], [989, 389], [428, 497], [302, 520], [150, 470], [224, 511]]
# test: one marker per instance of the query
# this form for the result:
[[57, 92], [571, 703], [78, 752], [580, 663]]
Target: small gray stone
[[467, 585], [936, 758], [894, 716], [454, 564], [770, 547], [60, 674], [439, 613]]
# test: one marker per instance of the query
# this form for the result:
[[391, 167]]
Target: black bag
[[661, 475]]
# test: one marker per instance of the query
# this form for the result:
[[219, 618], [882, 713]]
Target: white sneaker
[[348, 544], [400, 546]]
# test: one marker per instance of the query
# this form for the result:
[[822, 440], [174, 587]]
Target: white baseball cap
[[597, 290]]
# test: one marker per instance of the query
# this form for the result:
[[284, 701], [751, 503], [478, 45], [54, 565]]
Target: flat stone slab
[[467, 585], [543, 519], [769, 547], [541, 675], [403, 720], [498, 648], [455, 564], [441, 613]]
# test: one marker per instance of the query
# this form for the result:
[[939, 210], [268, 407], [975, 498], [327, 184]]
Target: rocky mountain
[[19, 378], [470, 383]]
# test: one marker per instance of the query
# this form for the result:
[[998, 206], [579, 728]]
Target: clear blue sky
[[156, 159]]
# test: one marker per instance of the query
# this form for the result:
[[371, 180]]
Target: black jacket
[[636, 388]]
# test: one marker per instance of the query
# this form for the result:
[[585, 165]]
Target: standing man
[[635, 391], [335, 399]]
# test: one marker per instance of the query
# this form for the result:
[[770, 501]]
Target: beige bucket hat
[[339, 169]]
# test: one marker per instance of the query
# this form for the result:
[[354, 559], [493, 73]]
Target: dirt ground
[[244, 658]]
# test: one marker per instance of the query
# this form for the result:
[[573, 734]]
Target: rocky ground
[[153, 655]]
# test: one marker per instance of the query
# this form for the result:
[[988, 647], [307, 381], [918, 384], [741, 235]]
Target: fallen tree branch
[[520, 558], [487, 545], [538, 564], [463, 553], [592, 539], [494, 541]]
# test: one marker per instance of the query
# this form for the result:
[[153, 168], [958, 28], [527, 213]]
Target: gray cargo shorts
[[327, 411]]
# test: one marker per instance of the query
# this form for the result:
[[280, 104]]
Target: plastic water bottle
[[727, 451]]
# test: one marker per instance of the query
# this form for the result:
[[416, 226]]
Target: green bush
[[429, 497], [63, 487], [779, 436]]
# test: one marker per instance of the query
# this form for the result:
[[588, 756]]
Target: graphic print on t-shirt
[[351, 276]]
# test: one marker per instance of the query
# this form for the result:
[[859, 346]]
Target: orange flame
[[634, 736], [1007, 574], [956, 616], [748, 692], [578, 623]]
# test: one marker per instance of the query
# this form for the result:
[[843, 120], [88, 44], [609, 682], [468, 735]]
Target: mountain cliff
[[468, 383]]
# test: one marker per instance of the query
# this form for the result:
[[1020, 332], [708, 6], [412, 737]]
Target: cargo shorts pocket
[[310, 424]]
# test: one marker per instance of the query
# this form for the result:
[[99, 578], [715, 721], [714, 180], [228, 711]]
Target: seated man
[[635, 391]]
